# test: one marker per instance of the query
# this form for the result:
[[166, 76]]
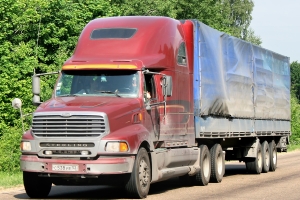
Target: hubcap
[[206, 166], [143, 173], [267, 158], [220, 163], [274, 156], [259, 160]]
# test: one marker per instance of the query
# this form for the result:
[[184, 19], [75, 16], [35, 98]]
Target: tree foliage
[[230, 16], [295, 78], [251, 37], [295, 120]]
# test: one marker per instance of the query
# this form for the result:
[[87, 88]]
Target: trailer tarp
[[237, 79]]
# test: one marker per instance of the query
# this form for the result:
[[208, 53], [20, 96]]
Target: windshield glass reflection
[[121, 83]]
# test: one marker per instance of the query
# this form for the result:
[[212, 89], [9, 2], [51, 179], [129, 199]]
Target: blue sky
[[277, 22]]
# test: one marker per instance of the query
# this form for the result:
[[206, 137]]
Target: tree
[[230, 16], [251, 37], [295, 78]]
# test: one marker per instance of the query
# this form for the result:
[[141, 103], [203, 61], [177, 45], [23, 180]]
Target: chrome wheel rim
[[144, 173]]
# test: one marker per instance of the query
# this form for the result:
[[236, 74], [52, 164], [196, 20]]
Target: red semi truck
[[145, 99]]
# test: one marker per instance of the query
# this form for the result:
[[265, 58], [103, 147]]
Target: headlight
[[25, 146], [116, 147]]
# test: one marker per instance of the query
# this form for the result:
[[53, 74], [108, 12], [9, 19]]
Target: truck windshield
[[119, 83]]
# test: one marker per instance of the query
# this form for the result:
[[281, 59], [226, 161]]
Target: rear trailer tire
[[265, 156], [35, 186], [273, 156], [203, 176], [138, 184], [217, 164], [254, 165]]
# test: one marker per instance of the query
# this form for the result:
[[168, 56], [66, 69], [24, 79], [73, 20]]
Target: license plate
[[68, 168]]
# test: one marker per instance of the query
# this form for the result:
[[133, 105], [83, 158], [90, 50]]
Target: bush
[[10, 149], [295, 120]]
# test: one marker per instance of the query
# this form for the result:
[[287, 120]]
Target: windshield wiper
[[68, 95], [110, 92]]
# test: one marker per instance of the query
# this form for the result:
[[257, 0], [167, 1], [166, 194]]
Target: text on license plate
[[69, 168]]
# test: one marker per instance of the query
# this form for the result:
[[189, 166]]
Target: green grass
[[10, 179], [293, 147]]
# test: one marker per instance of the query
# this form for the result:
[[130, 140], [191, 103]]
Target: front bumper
[[103, 165]]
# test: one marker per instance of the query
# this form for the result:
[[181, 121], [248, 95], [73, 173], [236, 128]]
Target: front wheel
[[35, 186], [139, 182]]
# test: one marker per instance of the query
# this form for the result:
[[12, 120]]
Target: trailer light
[[84, 153], [48, 152], [116, 147], [25, 146]]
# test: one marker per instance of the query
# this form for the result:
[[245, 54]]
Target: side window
[[181, 56], [149, 86]]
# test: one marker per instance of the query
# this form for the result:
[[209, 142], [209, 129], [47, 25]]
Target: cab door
[[152, 113]]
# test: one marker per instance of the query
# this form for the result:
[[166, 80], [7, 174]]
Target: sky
[[277, 23]]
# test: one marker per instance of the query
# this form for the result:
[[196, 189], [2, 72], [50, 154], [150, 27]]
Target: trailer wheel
[[35, 186], [139, 182], [265, 157], [273, 156], [254, 165], [203, 176], [217, 164]]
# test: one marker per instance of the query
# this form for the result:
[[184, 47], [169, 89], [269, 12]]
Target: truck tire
[[217, 164], [35, 186], [254, 165], [273, 156], [265, 156], [203, 176], [138, 184]]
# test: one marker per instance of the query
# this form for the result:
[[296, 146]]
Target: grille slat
[[67, 130], [69, 122], [73, 126], [68, 125]]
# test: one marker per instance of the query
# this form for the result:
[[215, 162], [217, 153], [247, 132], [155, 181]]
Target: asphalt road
[[284, 183]]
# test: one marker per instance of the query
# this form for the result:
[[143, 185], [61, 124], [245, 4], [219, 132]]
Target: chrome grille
[[55, 125]]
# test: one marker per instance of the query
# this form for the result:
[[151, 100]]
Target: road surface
[[284, 183]]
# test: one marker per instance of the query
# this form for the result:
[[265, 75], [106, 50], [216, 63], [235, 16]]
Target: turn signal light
[[123, 147]]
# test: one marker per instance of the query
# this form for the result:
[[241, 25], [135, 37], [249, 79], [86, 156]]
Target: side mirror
[[36, 90], [167, 86]]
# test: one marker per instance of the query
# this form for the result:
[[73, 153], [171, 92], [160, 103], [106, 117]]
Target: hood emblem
[[66, 115]]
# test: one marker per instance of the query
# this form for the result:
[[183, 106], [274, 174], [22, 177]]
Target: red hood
[[108, 105]]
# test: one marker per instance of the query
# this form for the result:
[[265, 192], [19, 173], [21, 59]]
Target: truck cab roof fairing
[[161, 41]]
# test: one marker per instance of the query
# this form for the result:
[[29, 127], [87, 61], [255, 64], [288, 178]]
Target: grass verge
[[10, 179], [293, 147]]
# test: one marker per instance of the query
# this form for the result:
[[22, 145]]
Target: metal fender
[[27, 135], [134, 135]]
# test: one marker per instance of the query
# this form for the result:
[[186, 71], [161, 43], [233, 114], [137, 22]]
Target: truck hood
[[109, 105]]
